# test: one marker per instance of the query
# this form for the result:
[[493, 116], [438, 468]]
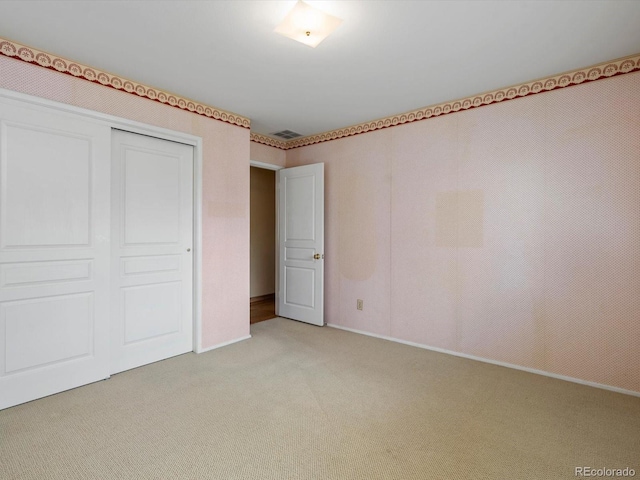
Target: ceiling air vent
[[287, 134]]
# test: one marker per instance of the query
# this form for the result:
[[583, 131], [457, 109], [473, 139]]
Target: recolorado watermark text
[[604, 472]]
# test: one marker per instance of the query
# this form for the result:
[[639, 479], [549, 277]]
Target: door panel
[[301, 243], [54, 252], [299, 286], [150, 264], [152, 190], [37, 273], [47, 331], [152, 203], [300, 207], [151, 311], [46, 199]]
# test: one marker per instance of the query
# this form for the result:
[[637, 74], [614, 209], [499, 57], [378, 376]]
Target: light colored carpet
[[302, 402]]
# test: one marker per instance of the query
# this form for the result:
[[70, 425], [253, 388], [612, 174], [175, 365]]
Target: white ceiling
[[387, 57]]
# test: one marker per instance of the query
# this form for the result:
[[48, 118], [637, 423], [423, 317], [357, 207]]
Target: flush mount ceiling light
[[308, 25]]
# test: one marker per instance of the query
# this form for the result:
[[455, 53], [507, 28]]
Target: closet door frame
[[21, 99]]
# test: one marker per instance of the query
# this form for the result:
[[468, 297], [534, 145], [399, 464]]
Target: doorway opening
[[289, 256], [262, 244]]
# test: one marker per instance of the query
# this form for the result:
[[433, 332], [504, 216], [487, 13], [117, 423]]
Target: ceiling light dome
[[308, 25]]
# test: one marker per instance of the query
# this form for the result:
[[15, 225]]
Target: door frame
[[270, 166], [133, 126]]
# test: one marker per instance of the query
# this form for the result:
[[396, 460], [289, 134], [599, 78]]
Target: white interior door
[[54, 252], [152, 232], [301, 243]]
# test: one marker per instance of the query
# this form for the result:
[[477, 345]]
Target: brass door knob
[[317, 256]]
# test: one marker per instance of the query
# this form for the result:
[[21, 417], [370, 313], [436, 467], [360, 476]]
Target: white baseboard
[[488, 360], [224, 344]]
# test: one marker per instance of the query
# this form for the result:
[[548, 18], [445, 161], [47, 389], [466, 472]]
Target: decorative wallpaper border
[[270, 141], [575, 77], [43, 59]]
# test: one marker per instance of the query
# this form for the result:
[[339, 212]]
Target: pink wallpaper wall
[[225, 209], [509, 232], [267, 154]]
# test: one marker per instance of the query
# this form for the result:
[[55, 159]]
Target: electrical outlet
[[359, 304]]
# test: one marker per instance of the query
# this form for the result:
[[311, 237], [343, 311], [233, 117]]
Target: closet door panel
[[54, 252]]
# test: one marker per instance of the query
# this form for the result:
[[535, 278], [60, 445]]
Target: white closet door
[[152, 261], [54, 252]]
